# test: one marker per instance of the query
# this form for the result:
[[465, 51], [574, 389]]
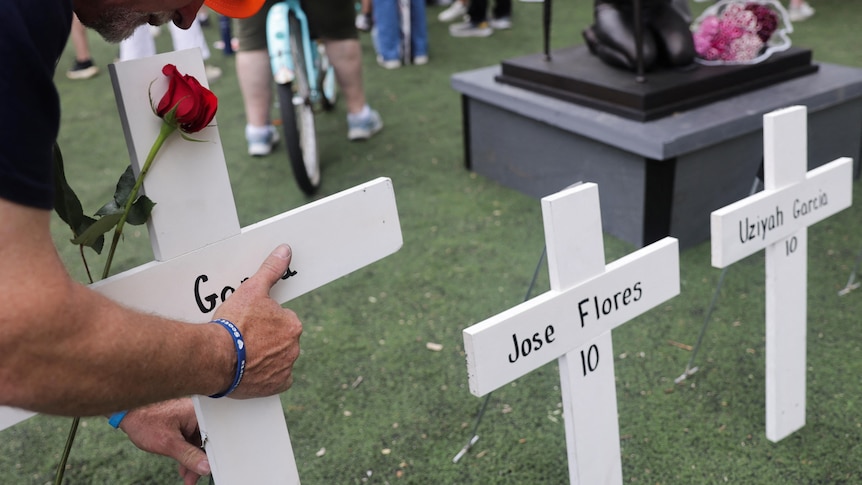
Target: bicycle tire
[[297, 117]]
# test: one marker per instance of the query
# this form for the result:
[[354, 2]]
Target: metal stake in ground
[[852, 284], [474, 437], [690, 369]]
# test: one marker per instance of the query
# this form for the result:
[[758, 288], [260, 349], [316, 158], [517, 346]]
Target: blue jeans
[[387, 27]]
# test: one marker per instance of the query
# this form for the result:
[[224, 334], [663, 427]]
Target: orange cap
[[238, 9]]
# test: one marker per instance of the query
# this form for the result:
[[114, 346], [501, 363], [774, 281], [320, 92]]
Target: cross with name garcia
[[776, 220], [202, 254], [572, 323]]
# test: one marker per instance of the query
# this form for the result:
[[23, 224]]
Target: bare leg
[[255, 82], [79, 40], [346, 58]]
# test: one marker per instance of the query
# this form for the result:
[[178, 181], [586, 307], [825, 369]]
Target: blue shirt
[[33, 34]]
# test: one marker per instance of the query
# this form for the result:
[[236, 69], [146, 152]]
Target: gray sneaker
[[261, 145], [501, 23], [364, 128], [468, 29]]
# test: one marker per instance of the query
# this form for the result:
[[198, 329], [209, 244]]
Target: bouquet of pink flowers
[[740, 32]]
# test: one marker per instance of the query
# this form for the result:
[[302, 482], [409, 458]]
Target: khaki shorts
[[327, 19]]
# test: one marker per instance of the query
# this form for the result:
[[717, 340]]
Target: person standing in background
[[83, 67]]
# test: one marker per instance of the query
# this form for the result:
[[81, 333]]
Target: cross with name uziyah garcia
[[777, 220]]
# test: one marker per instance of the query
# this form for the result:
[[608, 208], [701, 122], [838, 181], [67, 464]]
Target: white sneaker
[[501, 23], [390, 64], [455, 11], [212, 72], [363, 22], [420, 60], [468, 29], [798, 14]]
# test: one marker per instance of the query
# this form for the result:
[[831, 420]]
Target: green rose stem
[[61, 468], [164, 133], [192, 122]]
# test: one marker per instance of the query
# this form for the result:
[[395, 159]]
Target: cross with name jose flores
[[572, 322], [777, 220], [202, 254]]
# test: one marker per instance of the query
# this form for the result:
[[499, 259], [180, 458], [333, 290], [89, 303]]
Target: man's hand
[[170, 428], [270, 333]]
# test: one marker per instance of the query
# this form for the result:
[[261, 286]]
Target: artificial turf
[[372, 404]]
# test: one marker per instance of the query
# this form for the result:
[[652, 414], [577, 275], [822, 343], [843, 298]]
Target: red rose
[[195, 106]]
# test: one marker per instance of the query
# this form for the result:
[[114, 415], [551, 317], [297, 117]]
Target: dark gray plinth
[[656, 178]]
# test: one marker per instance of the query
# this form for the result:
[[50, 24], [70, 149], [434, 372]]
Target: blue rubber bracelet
[[240, 355], [117, 418]]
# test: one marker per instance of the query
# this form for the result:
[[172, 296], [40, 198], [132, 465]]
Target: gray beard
[[118, 24]]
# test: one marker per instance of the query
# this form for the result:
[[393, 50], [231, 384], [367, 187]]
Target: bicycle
[[305, 84]]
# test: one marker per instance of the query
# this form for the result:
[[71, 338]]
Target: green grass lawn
[[386, 409]]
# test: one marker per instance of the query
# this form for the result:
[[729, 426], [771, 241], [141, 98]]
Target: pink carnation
[[737, 34]]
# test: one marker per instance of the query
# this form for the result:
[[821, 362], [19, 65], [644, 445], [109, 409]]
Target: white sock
[[252, 131], [364, 113]]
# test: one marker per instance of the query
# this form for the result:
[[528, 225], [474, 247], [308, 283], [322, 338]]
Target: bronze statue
[[665, 37]]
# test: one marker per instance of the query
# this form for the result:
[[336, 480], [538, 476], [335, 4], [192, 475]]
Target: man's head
[[116, 20]]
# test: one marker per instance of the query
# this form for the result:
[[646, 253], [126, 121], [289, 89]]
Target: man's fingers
[[191, 459], [275, 265]]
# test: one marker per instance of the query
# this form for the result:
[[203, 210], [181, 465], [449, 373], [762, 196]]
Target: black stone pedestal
[[576, 76]]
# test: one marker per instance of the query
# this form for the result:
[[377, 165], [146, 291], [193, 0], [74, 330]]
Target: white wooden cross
[[777, 219], [202, 254], [572, 322]]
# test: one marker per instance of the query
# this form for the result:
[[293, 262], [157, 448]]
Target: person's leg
[[477, 25], [79, 40], [346, 57], [226, 32], [418, 31], [140, 44], [502, 9], [387, 32], [191, 38], [477, 10], [332, 23], [255, 82], [83, 67], [364, 18]]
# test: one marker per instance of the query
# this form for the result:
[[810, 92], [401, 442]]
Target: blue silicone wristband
[[239, 343], [116, 418]]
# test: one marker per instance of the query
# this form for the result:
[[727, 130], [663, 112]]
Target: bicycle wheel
[[297, 116]]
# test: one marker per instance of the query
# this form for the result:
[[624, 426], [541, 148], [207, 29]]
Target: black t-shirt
[[33, 34]]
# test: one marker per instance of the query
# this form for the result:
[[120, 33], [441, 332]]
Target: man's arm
[[67, 350]]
